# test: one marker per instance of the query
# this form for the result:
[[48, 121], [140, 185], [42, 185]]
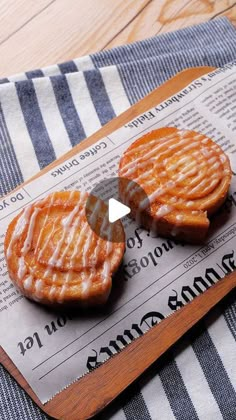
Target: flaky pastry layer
[[53, 255], [186, 177]]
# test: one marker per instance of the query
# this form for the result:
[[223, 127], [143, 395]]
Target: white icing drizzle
[[38, 286], [189, 203], [29, 237], [19, 228], [195, 174], [54, 226], [188, 169], [52, 292], [48, 271], [86, 232], [107, 264], [170, 184], [66, 228], [198, 187], [141, 165], [216, 165], [87, 280], [212, 160], [65, 285], [45, 222], [188, 147], [132, 167], [206, 152], [86, 285], [75, 252], [152, 197], [166, 148], [182, 160], [222, 158], [163, 210], [28, 283], [198, 177], [146, 156], [87, 247], [21, 268], [66, 222], [147, 145], [81, 236], [70, 237], [211, 184], [70, 225]]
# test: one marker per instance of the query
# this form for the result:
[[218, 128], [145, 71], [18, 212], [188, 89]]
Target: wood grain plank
[[65, 30], [36, 34], [166, 15], [158, 95], [16, 14]]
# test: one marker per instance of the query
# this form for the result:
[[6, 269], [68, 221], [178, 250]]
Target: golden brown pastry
[[53, 255], [186, 177]]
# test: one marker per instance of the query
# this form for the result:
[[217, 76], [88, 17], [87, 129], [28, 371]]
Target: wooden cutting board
[[65, 404]]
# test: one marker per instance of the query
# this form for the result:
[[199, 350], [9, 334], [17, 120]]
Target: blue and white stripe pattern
[[43, 113]]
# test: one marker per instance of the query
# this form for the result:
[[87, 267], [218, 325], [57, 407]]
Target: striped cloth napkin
[[45, 112]]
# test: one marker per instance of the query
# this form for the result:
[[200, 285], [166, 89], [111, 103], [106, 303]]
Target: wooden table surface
[[38, 33]]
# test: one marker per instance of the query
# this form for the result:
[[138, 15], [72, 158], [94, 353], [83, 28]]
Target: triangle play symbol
[[116, 210]]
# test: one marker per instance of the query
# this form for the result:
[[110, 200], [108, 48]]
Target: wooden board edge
[[169, 88]]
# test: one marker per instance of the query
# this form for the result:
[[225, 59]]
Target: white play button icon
[[109, 191], [116, 210]]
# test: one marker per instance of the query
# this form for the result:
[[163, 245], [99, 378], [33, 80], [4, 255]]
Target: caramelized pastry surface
[[53, 255], [186, 177]]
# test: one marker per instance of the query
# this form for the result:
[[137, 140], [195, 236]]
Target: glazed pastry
[[53, 255], [186, 177]]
